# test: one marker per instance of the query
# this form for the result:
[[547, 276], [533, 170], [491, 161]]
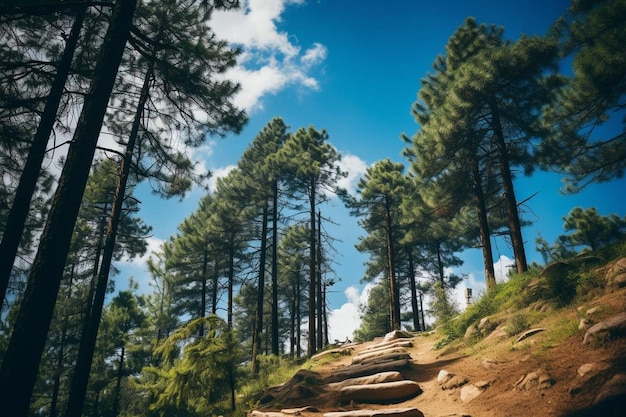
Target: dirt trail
[[497, 363]]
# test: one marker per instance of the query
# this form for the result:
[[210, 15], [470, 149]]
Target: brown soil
[[501, 362]]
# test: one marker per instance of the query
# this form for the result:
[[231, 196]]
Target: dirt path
[[496, 364]]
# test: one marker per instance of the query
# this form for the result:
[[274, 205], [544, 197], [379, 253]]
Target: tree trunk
[[312, 339], [413, 285], [205, 267], [16, 219], [318, 283], [483, 225], [394, 291], [509, 193], [118, 383], [22, 357], [258, 320], [80, 379], [231, 278], [275, 347]]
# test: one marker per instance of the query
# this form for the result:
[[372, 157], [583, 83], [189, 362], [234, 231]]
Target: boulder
[[444, 376], [538, 380], [471, 391], [396, 334], [614, 326], [454, 382], [380, 358], [616, 274], [404, 343], [384, 392], [388, 412], [368, 379], [364, 357], [354, 371], [298, 411]]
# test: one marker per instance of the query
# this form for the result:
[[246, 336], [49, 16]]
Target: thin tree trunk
[[412, 283], [231, 278], [22, 357], [509, 193], [312, 348], [275, 347], [258, 320], [205, 265], [483, 225], [394, 291], [318, 283], [16, 219], [118, 383]]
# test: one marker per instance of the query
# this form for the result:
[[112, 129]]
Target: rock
[[584, 324], [444, 376], [339, 351], [471, 391], [592, 311], [488, 324], [471, 333], [256, 413], [490, 363], [616, 274], [538, 380], [396, 334], [614, 326], [354, 371], [363, 357], [454, 382], [378, 358], [380, 393], [369, 379], [529, 333], [498, 334], [389, 412], [399, 343], [589, 370], [300, 410]]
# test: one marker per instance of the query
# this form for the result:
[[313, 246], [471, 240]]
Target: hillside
[[570, 362]]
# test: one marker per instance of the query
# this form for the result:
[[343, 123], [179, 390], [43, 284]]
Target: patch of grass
[[517, 324], [560, 331]]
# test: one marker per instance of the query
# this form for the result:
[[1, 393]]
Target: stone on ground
[[380, 393], [614, 326], [368, 379], [389, 412]]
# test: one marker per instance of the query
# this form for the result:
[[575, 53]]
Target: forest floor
[[498, 362]]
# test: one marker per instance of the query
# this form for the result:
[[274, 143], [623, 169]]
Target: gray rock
[[388, 412], [537, 380], [454, 382], [614, 326], [471, 391], [443, 376], [380, 393], [368, 379]]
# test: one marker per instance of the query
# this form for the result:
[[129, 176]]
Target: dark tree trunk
[[80, 379], [413, 285], [318, 284], [483, 225], [258, 320], [509, 193], [394, 291], [118, 383], [22, 357], [231, 278], [312, 339], [205, 267], [16, 219], [275, 347]]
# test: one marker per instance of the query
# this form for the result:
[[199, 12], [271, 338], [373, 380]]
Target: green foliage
[[198, 382]]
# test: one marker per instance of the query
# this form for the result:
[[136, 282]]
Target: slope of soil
[[497, 365]]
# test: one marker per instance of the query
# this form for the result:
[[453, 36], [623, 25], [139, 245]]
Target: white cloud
[[355, 167], [219, 173], [343, 321], [502, 267], [270, 61]]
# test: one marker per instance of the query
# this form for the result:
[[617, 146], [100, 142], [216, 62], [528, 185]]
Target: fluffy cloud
[[355, 167], [343, 321], [270, 60]]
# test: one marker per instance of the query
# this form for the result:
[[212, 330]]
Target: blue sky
[[353, 67]]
